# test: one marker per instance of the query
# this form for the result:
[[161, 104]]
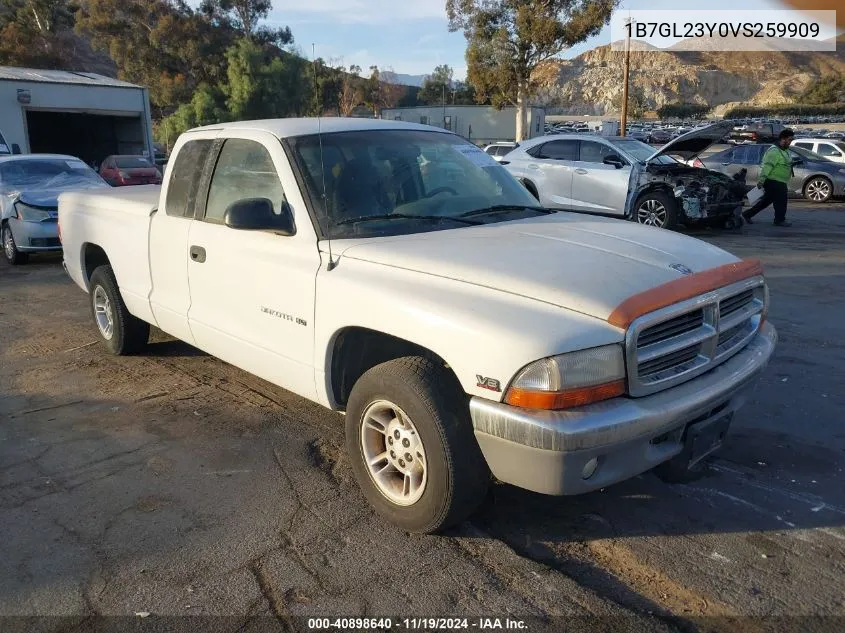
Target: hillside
[[589, 83]]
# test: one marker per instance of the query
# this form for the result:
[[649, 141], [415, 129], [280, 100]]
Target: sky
[[411, 36]]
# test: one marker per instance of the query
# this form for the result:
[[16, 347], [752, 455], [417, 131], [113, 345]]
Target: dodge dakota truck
[[397, 274]]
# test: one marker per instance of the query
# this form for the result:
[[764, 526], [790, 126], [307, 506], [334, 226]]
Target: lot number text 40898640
[[422, 624]]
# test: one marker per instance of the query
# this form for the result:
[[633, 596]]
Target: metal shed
[[479, 124], [77, 113]]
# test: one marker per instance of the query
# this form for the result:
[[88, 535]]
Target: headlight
[[123, 174], [570, 380], [31, 214]]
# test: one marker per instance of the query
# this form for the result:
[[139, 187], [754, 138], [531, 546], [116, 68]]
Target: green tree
[[508, 40], [245, 16], [159, 44], [437, 86], [682, 111], [263, 84], [827, 89], [207, 107], [29, 29], [351, 91], [636, 102]]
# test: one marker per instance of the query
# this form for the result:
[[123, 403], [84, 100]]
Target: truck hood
[[585, 264]]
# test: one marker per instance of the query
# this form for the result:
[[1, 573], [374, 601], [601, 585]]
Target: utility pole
[[444, 104], [624, 122], [317, 103]]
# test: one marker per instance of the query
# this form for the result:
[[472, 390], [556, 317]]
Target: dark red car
[[129, 170]]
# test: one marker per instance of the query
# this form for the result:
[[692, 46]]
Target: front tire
[[120, 332], [10, 247], [656, 209], [818, 189], [411, 446]]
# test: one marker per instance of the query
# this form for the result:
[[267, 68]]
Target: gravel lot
[[174, 484]]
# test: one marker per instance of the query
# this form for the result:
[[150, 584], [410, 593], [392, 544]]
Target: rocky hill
[[589, 83]]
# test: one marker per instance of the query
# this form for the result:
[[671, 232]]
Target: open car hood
[[692, 143]]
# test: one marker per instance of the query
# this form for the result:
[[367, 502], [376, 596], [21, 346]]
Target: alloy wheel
[[393, 452], [8, 243], [818, 190], [103, 313], [652, 213]]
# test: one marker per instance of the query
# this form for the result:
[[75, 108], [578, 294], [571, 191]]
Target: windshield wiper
[[499, 208], [403, 216]]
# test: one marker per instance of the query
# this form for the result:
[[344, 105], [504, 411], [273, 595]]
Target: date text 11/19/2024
[[420, 624]]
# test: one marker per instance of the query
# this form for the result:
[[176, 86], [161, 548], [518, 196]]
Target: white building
[[82, 114], [479, 124]]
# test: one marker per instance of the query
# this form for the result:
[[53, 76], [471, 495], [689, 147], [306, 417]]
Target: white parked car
[[462, 329], [829, 148], [500, 149], [29, 189]]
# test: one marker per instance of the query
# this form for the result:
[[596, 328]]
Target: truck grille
[[680, 342]]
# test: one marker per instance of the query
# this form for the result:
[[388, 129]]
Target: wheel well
[[357, 350], [532, 188], [92, 257]]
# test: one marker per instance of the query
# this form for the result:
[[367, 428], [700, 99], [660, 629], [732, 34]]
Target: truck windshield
[[45, 173], [392, 182]]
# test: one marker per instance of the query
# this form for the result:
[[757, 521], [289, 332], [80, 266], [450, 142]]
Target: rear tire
[[10, 247], [656, 209], [413, 407], [120, 332]]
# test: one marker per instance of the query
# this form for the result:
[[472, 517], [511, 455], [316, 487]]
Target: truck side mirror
[[256, 214], [16, 149]]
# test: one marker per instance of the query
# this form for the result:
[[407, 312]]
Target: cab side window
[[185, 178], [244, 170]]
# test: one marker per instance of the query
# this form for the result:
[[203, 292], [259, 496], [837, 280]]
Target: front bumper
[[547, 451], [33, 237]]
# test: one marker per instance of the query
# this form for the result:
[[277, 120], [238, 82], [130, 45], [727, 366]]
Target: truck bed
[[118, 222]]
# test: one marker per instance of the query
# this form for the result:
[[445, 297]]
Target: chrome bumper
[[547, 451]]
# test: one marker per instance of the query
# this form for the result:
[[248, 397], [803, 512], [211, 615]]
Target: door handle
[[581, 171], [197, 254], [533, 166]]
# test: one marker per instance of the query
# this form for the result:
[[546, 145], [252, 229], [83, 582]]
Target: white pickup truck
[[397, 273]]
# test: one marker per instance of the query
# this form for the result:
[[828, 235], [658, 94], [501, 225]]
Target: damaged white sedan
[[624, 177]]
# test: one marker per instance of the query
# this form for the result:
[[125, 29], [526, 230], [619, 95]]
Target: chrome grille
[[672, 327], [678, 343]]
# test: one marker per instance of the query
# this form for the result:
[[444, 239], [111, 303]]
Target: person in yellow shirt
[[775, 173]]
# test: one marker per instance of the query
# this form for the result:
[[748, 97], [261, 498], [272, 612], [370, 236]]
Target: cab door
[[169, 227], [252, 291]]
